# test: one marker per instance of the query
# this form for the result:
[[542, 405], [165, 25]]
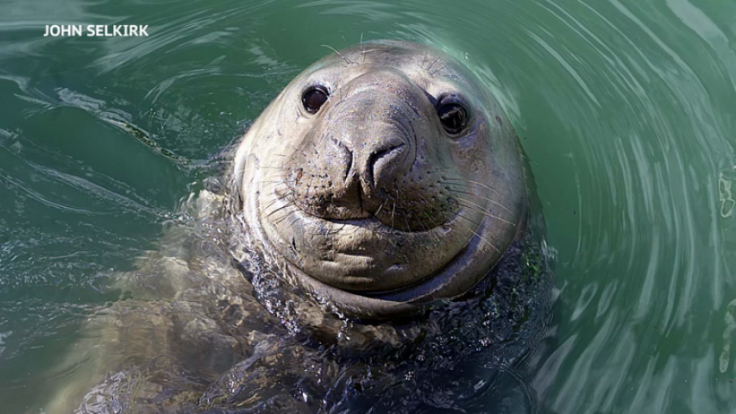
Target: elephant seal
[[374, 247], [386, 176]]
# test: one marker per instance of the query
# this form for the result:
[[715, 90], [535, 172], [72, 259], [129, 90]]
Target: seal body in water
[[373, 235]]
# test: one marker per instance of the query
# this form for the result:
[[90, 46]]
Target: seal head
[[386, 176]]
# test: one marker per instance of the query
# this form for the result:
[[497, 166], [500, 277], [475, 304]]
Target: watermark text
[[96, 30]]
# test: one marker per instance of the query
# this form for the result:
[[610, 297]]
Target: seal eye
[[314, 97], [454, 118]]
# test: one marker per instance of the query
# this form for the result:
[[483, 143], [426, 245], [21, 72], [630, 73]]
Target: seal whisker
[[427, 228], [379, 208], [269, 205], [484, 198], [406, 221], [338, 54], [437, 70], [432, 64], [479, 209], [276, 200], [474, 182], [285, 187], [362, 48], [478, 235], [269, 182], [287, 214], [279, 220]]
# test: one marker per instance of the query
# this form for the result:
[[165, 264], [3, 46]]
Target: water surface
[[625, 110]]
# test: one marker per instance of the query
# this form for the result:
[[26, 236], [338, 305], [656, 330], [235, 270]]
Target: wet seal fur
[[293, 287]]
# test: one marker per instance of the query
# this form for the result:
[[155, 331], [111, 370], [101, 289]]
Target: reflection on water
[[624, 109]]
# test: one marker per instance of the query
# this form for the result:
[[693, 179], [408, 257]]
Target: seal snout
[[372, 161], [373, 153], [378, 153], [367, 142]]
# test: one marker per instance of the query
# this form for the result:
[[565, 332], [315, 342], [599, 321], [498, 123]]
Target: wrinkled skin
[[371, 201], [317, 278]]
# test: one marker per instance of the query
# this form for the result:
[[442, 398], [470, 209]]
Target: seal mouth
[[374, 224], [369, 223], [386, 207], [351, 294], [368, 220], [361, 255]]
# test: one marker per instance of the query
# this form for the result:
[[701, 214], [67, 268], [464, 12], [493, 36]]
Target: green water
[[626, 110]]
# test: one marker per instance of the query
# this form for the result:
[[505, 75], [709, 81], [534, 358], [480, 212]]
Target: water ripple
[[623, 108]]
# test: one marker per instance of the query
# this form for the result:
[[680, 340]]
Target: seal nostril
[[349, 165], [382, 152], [376, 156], [347, 157]]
